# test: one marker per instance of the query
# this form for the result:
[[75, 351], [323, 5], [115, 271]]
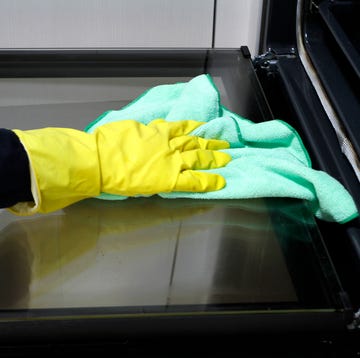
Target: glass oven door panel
[[242, 260]]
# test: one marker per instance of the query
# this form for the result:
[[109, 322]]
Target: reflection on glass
[[160, 252]]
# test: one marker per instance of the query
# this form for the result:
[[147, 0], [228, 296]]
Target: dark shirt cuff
[[15, 183]]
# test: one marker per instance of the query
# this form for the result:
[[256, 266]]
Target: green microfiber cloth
[[268, 158]]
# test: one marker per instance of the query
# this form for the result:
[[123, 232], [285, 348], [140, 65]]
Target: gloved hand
[[125, 158], [157, 158]]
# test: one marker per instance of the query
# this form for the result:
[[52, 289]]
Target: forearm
[[63, 166], [50, 168]]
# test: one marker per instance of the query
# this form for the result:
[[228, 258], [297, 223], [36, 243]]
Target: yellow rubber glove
[[64, 168], [125, 158], [157, 158]]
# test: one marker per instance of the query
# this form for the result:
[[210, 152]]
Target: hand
[[138, 159], [122, 158]]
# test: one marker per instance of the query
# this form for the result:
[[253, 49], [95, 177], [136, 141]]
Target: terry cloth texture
[[268, 158]]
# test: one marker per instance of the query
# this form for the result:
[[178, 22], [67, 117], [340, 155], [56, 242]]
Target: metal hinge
[[266, 62], [272, 55]]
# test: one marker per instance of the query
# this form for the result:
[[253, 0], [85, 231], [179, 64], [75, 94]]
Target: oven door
[[120, 271]]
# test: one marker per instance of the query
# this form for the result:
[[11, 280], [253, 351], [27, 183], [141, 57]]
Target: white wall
[[105, 23], [238, 23], [129, 23]]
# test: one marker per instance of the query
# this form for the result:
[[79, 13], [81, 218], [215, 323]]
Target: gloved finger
[[193, 181], [175, 129], [186, 142], [204, 159]]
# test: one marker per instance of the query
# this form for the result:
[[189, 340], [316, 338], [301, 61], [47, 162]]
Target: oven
[[152, 272]]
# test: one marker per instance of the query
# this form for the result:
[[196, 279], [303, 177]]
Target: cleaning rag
[[268, 158]]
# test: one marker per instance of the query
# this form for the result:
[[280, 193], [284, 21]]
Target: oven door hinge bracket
[[266, 62]]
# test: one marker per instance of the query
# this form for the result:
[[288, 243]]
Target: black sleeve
[[14, 170]]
